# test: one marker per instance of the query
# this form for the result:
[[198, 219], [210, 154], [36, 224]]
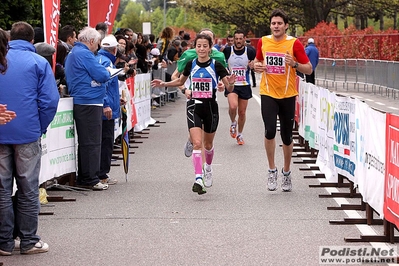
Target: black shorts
[[243, 92], [203, 114], [285, 110]]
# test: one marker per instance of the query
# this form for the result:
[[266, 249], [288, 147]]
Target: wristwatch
[[183, 91], [296, 65]]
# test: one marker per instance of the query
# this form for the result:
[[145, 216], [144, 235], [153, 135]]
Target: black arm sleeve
[[187, 69], [227, 53], [221, 71]]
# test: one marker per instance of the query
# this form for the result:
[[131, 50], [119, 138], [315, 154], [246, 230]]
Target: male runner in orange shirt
[[278, 57]]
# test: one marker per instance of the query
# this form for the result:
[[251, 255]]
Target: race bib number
[[275, 63], [239, 72], [201, 88]]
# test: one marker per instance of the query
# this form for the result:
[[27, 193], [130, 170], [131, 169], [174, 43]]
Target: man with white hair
[[106, 56], [86, 79]]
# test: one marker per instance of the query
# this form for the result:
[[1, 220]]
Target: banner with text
[[391, 196], [142, 101], [102, 11], [344, 136], [370, 155], [58, 144], [303, 90], [51, 19], [325, 156]]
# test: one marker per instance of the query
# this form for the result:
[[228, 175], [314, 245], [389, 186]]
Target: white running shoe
[[207, 169], [233, 132], [188, 148], [39, 247], [198, 187], [272, 180], [286, 184]]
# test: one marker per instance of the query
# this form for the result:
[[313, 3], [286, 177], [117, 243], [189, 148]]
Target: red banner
[[51, 19], [391, 191], [102, 11]]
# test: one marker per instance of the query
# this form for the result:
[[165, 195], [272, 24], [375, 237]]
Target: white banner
[[303, 97], [370, 155], [310, 114], [325, 156], [351, 138], [344, 133], [307, 112], [58, 144], [314, 104], [362, 125], [142, 101]]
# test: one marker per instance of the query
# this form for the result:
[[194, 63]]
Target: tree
[[23, 10], [131, 17], [308, 13], [121, 8], [72, 12], [246, 15]]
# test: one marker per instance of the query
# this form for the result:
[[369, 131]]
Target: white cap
[[310, 40], [155, 51], [109, 41]]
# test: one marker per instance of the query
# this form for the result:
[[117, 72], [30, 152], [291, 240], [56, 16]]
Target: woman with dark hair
[[202, 108], [123, 58], [122, 47]]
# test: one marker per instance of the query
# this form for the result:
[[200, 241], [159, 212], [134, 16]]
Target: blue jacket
[[313, 54], [29, 89], [85, 76], [111, 98]]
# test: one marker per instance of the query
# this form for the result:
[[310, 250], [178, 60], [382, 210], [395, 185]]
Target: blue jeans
[[21, 161]]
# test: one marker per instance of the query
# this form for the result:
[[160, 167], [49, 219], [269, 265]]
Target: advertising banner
[[325, 156], [370, 155], [102, 11], [391, 195], [344, 137], [58, 144], [142, 101], [51, 19]]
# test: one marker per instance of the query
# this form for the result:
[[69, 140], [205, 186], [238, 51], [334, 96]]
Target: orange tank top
[[279, 81]]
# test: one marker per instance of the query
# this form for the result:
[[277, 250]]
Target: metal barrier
[[164, 94], [380, 76]]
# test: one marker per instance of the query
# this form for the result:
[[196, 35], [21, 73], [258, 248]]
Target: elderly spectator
[[111, 108], [86, 79], [36, 100]]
